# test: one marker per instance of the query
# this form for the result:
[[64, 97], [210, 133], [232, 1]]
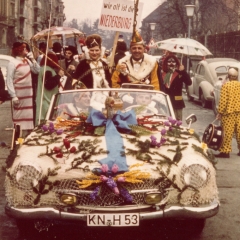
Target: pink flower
[[116, 190], [163, 131], [104, 168], [179, 123], [115, 168], [121, 179], [166, 123], [66, 143], [59, 155], [73, 149], [57, 149], [44, 128], [59, 131], [103, 178]]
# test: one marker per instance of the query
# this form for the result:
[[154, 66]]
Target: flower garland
[[113, 181]]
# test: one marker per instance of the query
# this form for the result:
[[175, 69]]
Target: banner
[[118, 15]]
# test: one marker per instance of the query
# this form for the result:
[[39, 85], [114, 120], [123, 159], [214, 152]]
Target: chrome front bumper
[[168, 212]]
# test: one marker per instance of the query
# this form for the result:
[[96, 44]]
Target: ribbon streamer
[[114, 140]]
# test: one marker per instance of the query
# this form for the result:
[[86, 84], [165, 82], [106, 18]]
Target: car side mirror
[[191, 119]]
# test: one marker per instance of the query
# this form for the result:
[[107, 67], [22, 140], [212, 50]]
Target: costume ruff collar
[[145, 69]]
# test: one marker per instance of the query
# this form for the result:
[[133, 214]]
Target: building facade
[[26, 18]]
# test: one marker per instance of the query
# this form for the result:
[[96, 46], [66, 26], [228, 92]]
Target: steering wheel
[[153, 110]]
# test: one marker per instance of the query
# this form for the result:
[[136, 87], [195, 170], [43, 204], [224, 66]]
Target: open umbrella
[[57, 33], [184, 46]]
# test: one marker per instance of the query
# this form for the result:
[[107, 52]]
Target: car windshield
[[79, 103]]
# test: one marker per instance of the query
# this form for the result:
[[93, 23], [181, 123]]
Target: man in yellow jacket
[[137, 67], [229, 113]]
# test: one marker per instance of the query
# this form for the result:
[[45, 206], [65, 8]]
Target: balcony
[[23, 12], [11, 21], [37, 4]]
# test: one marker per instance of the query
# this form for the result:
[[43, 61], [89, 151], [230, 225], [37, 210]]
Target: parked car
[[205, 76], [218, 85], [4, 60], [110, 157]]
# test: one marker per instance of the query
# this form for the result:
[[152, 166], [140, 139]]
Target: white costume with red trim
[[19, 83]]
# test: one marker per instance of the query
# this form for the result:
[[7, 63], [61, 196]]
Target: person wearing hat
[[69, 65], [19, 85], [57, 49], [120, 51], [229, 113], [93, 71], [51, 80], [137, 67]]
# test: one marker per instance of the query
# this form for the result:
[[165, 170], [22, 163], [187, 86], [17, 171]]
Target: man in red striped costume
[[19, 84]]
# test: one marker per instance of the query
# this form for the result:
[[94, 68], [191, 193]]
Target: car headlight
[[68, 199], [195, 175], [152, 198]]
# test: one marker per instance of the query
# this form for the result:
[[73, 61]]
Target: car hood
[[153, 150]]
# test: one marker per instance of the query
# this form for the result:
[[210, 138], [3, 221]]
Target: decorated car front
[[111, 158]]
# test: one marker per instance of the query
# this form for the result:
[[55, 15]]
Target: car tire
[[188, 96], [204, 102]]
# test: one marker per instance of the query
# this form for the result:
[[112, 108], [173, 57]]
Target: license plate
[[113, 220]]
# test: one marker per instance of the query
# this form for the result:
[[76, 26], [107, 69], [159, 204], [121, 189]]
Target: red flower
[[57, 149], [59, 155], [66, 143], [73, 149]]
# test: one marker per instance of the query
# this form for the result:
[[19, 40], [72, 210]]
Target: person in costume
[[51, 84], [93, 71], [19, 84], [120, 51], [137, 67], [173, 77], [58, 50], [69, 65], [229, 113]]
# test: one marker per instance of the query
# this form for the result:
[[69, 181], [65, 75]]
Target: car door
[[198, 78]]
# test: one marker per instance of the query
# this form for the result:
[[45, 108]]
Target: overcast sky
[[82, 9]]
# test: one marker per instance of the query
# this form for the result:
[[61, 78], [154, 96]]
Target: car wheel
[[204, 102], [188, 96], [214, 108]]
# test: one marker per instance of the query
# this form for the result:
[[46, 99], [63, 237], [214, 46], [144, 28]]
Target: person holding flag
[[137, 67]]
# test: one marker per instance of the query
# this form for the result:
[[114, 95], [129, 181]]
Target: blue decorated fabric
[[114, 140]]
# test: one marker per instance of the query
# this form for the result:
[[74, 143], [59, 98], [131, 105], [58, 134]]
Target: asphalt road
[[223, 226]]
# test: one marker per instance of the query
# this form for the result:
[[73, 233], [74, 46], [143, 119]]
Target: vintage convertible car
[[110, 157]]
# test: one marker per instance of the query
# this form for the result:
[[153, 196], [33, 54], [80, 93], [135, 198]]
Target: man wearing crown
[[137, 67]]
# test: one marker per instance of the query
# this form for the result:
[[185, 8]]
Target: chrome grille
[[107, 197]]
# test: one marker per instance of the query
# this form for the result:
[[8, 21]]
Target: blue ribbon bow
[[114, 140]]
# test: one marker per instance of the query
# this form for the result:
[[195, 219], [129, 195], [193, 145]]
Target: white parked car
[[206, 76], [218, 85]]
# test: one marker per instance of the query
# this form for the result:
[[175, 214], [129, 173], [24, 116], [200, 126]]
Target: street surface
[[223, 226]]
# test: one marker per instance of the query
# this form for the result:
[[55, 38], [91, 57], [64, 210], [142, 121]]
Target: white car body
[[205, 77]]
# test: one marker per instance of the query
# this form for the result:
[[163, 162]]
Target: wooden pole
[[111, 63]]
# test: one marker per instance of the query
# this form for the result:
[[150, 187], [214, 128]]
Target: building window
[[12, 9]]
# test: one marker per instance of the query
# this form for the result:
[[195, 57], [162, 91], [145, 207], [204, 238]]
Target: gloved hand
[[15, 101], [30, 56]]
